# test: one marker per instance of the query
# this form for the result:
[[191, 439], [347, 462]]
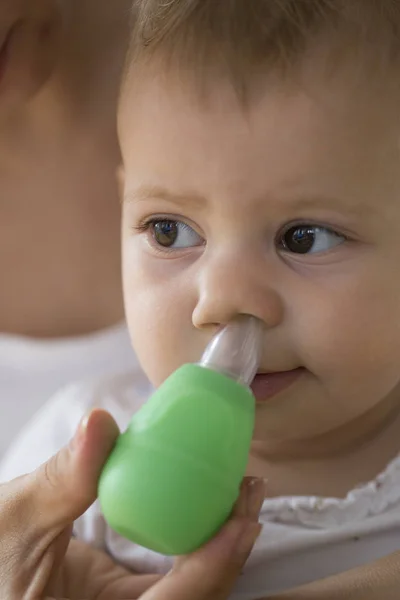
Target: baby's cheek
[[353, 347], [153, 337], [159, 321]]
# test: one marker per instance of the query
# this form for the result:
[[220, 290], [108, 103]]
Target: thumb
[[64, 487]]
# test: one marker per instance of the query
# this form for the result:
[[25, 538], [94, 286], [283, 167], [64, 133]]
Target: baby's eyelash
[[145, 225]]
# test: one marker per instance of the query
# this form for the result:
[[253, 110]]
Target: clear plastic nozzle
[[236, 349]]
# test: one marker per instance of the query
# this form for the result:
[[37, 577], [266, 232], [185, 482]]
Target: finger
[[210, 573], [241, 504], [247, 505], [251, 498], [65, 486]]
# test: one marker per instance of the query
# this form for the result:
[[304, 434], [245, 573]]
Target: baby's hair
[[243, 39]]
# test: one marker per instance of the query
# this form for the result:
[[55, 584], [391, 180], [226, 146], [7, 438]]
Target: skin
[[59, 215], [30, 31], [237, 179]]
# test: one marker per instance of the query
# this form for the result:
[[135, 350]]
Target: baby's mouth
[[267, 385]]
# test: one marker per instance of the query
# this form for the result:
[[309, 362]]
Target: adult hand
[[38, 560]]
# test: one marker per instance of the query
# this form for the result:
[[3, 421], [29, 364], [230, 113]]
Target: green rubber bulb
[[174, 475]]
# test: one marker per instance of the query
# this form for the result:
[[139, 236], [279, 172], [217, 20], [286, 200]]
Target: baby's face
[[289, 212]]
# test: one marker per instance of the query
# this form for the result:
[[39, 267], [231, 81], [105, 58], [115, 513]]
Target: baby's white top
[[303, 538], [31, 371]]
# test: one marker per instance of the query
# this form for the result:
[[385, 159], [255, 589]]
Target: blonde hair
[[244, 38]]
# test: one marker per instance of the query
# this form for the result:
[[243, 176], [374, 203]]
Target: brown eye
[[172, 234], [165, 232], [299, 240], [310, 239]]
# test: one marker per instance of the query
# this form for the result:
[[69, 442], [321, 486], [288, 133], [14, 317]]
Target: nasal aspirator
[[173, 477]]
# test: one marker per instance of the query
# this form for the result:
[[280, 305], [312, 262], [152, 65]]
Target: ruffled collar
[[371, 499]]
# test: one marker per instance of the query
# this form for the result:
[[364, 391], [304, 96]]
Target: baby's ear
[[120, 174]]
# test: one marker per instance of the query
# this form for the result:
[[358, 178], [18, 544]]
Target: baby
[[261, 176]]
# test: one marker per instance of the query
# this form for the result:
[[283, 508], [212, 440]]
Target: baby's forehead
[[352, 87], [329, 138], [345, 108]]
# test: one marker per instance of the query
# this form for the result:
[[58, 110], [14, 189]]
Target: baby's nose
[[231, 285]]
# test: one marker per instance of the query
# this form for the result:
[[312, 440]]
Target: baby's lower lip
[[267, 385]]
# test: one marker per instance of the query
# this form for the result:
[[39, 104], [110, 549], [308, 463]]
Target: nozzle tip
[[236, 349]]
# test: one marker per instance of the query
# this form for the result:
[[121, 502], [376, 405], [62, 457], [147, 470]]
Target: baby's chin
[[296, 414]]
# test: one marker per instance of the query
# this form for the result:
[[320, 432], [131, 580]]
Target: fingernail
[[240, 508], [248, 539], [80, 432], [255, 497]]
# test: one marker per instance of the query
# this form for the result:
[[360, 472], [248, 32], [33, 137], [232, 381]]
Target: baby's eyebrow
[[357, 208], [352, 206], [156, 192]]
